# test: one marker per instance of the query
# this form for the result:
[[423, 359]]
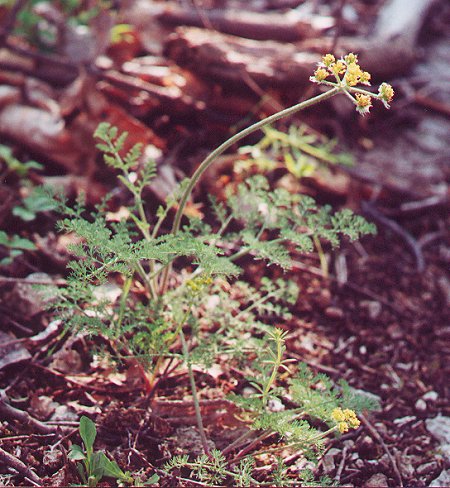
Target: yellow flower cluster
[[197, 283], [386, 93], [321, 74], [363, 103], [345, 419], [348, 65], [347, 75], [355, 75]]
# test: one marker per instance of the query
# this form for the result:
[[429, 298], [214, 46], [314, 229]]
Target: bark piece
[[286, 27], [229, 58]]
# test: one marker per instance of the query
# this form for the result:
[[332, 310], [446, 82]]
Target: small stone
[[29, 300], [402, 421], [53, 458], [323, 300], [65, 414], [439, 427], [213, 302], [374, 399], [248, 391], [359, 463], [328, 460], [107, 292], [395, 331], [377, 480], [430, 396], [426, 468], [442, 480], [275, 405], [366, 444], [421, 405], [335, 313], [372, 307]]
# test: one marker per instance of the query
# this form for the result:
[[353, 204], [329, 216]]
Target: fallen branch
[[378, 437], [11, 413], [11, 461]]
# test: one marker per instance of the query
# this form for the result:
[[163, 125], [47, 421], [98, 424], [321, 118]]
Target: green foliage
[[94, 464], [311, 397], [44, 33], [37, 201], [197, 309], [300, 150], [14, 165], [14, 246], [214, 469]]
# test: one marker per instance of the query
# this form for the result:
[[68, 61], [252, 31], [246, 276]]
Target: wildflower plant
[[160, 316]]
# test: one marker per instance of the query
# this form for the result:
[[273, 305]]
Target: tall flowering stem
[[347, 75]]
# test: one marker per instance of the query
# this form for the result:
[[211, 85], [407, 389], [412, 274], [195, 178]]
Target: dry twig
[[378, 437], [16, 464]]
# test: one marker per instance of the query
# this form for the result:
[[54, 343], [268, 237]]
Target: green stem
[[276, 365], [263, 299], [147, 280], [236, 443], [297, 445], [198, 414], [322, 257], [209, 160], [123, 303], [206, 163]]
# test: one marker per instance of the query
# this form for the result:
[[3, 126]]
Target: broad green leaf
[[76, 453], [88, 433], [21, 243], [24, 214], [152, 480], [112, 469]]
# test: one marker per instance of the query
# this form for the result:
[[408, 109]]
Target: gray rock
[[64, 413], [444, 450], [426, 468], [375, 399], [328, 460], [421, 405], [430, 396], [372, 307], [442, 480], [334, 313], [439, 428], [377, 480]]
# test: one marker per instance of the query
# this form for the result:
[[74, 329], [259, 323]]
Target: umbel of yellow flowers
[[345, 419], [347, 75]]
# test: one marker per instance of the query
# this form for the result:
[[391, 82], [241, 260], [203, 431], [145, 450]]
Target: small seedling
[[95, 465]]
